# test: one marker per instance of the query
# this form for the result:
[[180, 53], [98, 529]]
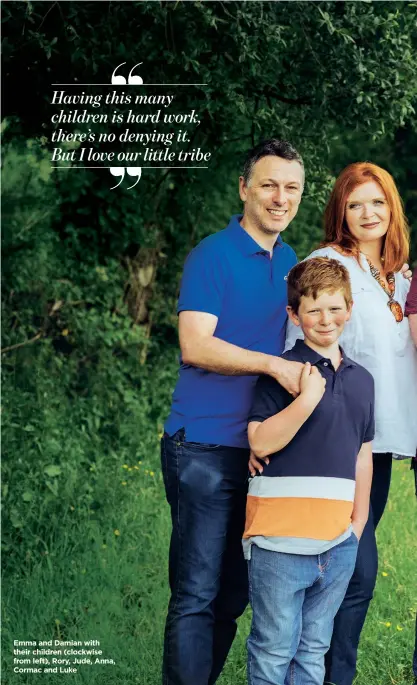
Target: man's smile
[[277, 212]]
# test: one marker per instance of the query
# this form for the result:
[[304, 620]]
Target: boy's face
[[322, 320]]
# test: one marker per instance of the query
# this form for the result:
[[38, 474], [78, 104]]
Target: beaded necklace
[[394, 306]]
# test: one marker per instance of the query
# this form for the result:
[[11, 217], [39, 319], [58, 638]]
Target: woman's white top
[[385, 348]]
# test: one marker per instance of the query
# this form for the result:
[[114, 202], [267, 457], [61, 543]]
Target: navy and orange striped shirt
[[303, 501]]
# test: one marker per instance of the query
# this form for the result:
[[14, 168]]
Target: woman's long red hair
[[395, 250]]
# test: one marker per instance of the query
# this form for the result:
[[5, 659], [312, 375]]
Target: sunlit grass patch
[[106, 579]]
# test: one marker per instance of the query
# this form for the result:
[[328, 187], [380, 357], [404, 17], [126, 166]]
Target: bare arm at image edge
[[412, 318], [200, 348], [411, 307]]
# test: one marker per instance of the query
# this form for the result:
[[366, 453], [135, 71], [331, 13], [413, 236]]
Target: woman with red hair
[[366, 230]]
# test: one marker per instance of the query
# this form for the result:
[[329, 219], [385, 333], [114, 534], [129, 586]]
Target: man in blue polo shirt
[[232, 321]]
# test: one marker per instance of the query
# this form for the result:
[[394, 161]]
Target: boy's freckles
[[322, 319]]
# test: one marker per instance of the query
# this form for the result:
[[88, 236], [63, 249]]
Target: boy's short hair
[[315, 276]]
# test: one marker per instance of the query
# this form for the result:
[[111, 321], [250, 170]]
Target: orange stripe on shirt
[[303, 517]]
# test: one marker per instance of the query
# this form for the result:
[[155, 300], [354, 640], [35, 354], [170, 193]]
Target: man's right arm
[[200, 347]]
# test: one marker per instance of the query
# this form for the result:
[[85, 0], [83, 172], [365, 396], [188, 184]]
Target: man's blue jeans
[[206, 488], [294, 600]]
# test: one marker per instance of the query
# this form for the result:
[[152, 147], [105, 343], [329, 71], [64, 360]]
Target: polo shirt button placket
[[337, 382]]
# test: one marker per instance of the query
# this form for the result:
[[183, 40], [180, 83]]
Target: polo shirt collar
[[247, 245], [307, 354]]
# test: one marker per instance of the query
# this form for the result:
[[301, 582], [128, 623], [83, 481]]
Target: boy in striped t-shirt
[[307, 509]]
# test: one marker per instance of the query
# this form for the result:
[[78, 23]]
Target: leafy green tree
[[91, 275]]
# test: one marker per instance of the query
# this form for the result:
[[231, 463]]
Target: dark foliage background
[[90, 277]]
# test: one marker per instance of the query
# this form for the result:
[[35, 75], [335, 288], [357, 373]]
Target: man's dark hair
[[274, 147]]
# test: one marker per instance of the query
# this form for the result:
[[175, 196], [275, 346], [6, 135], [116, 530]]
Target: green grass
[[95, 584]]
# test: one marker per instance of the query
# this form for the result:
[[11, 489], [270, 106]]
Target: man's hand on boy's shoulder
[[312, 384], [288, 374]]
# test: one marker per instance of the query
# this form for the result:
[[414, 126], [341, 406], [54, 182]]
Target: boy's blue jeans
[[294, 600]]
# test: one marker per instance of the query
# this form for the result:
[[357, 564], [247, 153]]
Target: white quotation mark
[[120, 171], [131, 80]]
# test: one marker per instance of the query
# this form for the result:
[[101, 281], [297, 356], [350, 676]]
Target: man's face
[[323, 319], [273, 193]]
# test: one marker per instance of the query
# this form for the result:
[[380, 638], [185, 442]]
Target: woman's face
[[367, 212]]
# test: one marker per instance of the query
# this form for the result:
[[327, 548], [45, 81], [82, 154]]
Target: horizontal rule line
[[125, 167], [129, 84]]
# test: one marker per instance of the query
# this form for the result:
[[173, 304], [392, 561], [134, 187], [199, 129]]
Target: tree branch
[[22, 344], [43, 19]]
